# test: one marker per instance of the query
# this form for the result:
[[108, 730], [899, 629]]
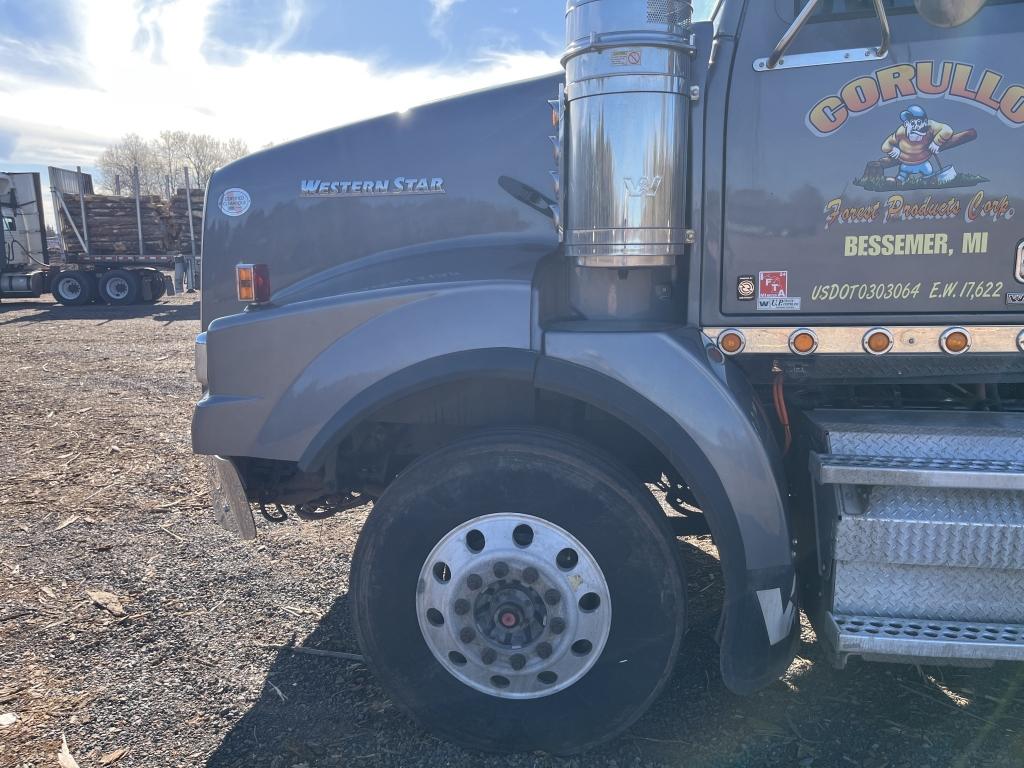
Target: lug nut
[[558, 625], [461, 606], [530, 574], [474, 582], [518, 661], [501, 570], [466, 634], [488, 656], [544, 650], [552, 596]]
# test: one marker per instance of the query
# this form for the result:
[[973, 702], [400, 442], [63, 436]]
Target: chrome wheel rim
[[513, 606], [69, 288], [117, 288]]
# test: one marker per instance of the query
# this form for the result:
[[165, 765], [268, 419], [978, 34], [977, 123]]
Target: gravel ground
[[192, 665]]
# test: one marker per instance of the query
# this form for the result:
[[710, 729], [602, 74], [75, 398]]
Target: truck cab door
[[872, 188]]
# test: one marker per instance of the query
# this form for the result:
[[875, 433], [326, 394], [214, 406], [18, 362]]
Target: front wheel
[[519, 591]]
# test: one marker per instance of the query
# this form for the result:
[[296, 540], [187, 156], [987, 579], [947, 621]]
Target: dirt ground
[[193, 666]]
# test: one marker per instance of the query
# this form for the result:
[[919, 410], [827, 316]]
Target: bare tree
[[171, 149], [119, 159], [166, 158]]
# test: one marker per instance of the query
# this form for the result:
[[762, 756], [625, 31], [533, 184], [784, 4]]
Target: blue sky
[[77, 74]]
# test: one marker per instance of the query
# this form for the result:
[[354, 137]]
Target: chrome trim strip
[[850, 340]]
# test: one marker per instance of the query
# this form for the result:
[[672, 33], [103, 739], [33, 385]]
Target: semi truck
[[72, 278], [759, 277]]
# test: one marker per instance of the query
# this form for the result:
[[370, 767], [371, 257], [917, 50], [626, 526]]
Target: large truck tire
[[519, 591], [73, 289], [120, 287]]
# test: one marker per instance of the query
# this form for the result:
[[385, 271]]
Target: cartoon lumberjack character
[[916, 144]]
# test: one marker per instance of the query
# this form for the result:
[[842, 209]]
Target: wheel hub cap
[[70, 289], [117, 287], [513, 606]]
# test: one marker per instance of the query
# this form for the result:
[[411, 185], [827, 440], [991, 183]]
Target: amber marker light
[[253, 283], [731, 342], [803, 341], [955, 341], [878, 341]]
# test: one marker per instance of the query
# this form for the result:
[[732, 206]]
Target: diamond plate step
[[956, 527], [925, 639], [921, 472], [924, 434], [922, 515]]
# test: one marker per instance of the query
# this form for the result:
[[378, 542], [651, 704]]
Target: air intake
[[627, 68]]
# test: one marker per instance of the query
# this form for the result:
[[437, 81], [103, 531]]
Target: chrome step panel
[[922, 434], [921, 518], [993, 474], [949, 594], [932, 640], [955, 527]]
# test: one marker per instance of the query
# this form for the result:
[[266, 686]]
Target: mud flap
[[762, 632], [227, 495]]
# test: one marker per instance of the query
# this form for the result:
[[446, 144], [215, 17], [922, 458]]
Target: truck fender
[[496, 363], [704, 418]]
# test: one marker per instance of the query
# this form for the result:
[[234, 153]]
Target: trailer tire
[[73, 289], [587, 636], [120, 287]]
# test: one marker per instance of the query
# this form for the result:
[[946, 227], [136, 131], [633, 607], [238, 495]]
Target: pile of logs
[[113, 226], [179, 213]]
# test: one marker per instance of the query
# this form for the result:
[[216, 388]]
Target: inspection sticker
[[234, 201], [773, 292]]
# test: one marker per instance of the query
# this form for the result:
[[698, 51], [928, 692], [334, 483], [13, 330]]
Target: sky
[[77, 74]]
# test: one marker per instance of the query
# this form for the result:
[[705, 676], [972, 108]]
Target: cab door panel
[[874, 188]]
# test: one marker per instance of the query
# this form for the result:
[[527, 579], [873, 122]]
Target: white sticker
[[779, 304], [234, 201]]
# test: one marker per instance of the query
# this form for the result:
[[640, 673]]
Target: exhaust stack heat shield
[[627, 66]]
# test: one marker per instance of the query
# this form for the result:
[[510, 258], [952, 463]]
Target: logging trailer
[[127, 267], [777, 285]]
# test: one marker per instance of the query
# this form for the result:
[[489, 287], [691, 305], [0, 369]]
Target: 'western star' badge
[[400, 185]]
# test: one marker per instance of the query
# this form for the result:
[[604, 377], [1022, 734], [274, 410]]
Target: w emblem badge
[[647, 186]]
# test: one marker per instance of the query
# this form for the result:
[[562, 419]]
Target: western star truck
[[760, 277]]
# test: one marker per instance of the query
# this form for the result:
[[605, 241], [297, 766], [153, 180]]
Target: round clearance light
[[803, 341], [878, 341], [731, 342], [1020, 341], [955, 341]]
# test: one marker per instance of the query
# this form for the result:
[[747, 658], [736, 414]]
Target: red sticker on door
[[773, 285]]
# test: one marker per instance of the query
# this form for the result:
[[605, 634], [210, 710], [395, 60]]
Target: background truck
[[777, 287], [112, 248]]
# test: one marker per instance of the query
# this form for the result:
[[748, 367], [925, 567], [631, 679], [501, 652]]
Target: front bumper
[[227, 495]]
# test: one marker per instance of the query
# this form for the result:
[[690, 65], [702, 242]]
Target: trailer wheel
[[73, 289], [120, 287], [519, 591]]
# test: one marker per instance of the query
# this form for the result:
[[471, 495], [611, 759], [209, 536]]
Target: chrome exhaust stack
[[624, 145]]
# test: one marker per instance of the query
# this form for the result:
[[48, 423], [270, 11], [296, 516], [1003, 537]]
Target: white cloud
[[160, 80]]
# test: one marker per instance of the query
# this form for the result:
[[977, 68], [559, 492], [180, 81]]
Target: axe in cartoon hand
[[876, 168]]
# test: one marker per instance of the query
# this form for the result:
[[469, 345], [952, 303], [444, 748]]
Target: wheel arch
[[750, 658]]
